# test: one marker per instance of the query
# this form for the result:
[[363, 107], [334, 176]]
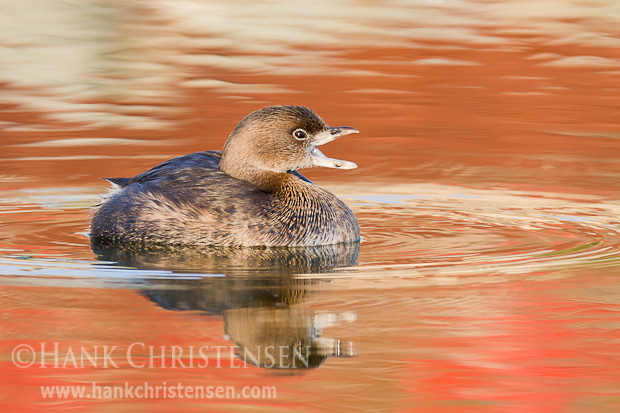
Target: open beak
[[328, 135]]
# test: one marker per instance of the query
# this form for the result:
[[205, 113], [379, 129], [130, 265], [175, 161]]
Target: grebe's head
[[281, 139]]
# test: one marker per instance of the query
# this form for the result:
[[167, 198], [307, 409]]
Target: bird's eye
[[300, 134]]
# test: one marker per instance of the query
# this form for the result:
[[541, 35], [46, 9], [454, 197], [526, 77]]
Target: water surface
[[486, 193]]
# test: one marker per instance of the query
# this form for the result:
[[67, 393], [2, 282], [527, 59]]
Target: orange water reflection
[[486, 192]]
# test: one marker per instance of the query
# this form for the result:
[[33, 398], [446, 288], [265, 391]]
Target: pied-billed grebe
[[248, 195]]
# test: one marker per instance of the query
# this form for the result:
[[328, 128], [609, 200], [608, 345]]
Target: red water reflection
[[509, 96]]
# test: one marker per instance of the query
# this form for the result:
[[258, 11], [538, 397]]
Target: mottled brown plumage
[[249, 195]]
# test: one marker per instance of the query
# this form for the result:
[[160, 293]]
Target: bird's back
[[185, 200]]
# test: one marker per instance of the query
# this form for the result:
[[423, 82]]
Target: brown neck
[[267, 181]]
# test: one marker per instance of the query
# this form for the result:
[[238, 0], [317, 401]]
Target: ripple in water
[[444, 230], [410, 231]]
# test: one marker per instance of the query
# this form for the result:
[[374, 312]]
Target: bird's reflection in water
[[258, 296]]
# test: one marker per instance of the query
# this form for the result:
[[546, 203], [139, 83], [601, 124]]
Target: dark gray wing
[[119, 181], [172, 168]]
